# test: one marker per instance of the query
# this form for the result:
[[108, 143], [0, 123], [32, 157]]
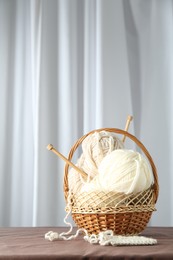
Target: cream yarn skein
[[124, 171], [95, 147]]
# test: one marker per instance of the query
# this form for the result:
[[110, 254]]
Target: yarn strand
[[52, 236]]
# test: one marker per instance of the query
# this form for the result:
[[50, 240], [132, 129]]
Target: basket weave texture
[[99, 211]]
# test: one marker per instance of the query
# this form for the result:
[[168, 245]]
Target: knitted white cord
[[107, 238], [51, 236]]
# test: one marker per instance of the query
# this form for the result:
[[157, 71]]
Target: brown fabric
[[29, 243]]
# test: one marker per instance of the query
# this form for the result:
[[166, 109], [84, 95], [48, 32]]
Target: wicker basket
[[100, 211]]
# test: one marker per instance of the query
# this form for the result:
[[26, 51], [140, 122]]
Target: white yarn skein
[[95, 147], [124, 171]]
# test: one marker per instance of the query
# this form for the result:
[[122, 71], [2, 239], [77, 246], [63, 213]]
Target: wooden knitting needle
[[51, 148], [129, 119]]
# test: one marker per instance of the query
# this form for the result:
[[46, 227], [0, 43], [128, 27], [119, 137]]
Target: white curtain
[[71, 66]]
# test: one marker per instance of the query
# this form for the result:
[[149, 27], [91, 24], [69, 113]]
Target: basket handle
[[117, 131]]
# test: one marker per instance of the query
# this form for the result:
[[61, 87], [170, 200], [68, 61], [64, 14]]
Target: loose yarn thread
[[52, 236], [104, 238]]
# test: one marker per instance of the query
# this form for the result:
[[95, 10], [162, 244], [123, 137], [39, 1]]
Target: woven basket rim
[[142, 208], [118, 202]]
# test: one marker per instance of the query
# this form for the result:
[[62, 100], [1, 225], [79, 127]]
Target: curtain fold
[[68, 67]]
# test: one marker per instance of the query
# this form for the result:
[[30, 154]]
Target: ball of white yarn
[[124, 171]]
